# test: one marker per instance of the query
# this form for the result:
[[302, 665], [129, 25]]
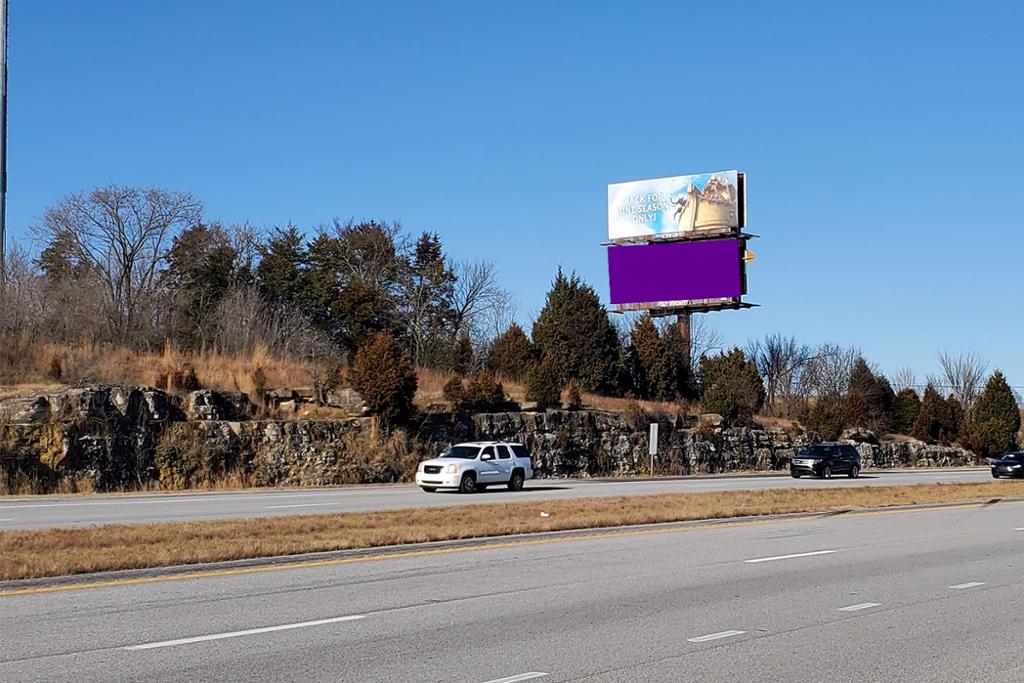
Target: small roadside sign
[[652, 443]]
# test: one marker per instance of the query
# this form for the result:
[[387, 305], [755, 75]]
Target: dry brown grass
[[55, 552], [26, 369]]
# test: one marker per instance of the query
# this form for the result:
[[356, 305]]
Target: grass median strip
[[66, 551]]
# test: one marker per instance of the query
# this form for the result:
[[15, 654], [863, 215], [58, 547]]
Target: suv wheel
[[468, 484], [826, 472], [854, 471], [517, 481]]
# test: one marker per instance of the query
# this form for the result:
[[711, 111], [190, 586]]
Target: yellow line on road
[[288, 566]]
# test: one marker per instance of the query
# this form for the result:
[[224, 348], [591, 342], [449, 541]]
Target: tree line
[[368, 302]]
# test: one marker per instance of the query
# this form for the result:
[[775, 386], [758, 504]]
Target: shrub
[[636, 416], [484, 392], [385, 379], [259, 385], [732, 386], [544, 384], [56, 371], [462, 354], [187, 458], [455, 394], [825, 418], [573, 395]]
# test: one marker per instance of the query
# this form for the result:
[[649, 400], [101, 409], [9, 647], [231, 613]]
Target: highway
[[917, 596], [38, 512]]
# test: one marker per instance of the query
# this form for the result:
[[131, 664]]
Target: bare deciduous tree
[[244, 321], [904, 378], [964, 374], [782, 362], [21, 297], [828, 371], [480, 305], [120, 235]]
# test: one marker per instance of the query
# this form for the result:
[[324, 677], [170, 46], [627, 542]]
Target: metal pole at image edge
[[3, 142]]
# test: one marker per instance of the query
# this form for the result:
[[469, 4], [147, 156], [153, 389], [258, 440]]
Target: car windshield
[[814, 452], [464, 452], [1014, 457]]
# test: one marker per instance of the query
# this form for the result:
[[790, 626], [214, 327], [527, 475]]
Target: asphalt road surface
[[38, 512], [915, 596]]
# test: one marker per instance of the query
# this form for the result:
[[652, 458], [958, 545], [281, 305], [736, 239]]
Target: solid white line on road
[[1020, 528], [237, 634], [969, 584], [298, 505], [7, 519], [857, 608], [715, 636], [520, 677], [789, 557]]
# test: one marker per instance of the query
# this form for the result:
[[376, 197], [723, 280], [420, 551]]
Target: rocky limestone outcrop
[[102, 435], [119, 437]]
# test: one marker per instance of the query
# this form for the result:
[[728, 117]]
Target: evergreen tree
[[995, 419], [732, 386], [428, 297], [654, 374], [906, 406], [544, 384], [938, 420], [869, 399], [202, 267], [681, 369], [576, 337], [281, 273], [356, 283], [511, 356]]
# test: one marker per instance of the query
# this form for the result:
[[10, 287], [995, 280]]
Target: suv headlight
[[453, 468], [420, 468]]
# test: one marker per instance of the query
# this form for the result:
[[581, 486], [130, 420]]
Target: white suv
[[472, 467]]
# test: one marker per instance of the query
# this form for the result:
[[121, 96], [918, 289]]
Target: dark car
[[825, 459], [1010, 465]]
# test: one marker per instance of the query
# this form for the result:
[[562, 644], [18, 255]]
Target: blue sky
[[882, 142]]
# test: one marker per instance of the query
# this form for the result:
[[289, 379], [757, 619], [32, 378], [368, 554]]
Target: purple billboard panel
[[675, 271]]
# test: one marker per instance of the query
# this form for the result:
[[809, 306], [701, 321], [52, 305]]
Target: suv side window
[[488, 450], [520, 451], [503, 453], [851, 452]]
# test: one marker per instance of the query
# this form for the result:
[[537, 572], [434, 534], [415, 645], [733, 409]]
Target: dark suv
[[825, 459], [1010, 465]]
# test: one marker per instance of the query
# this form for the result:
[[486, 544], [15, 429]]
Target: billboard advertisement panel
[[675, 272], [677, 207]]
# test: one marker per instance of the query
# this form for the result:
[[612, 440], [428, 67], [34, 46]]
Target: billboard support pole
[[3, 143], [683, 320]]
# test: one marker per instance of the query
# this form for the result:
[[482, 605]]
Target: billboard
[[677, 207], [667, 274]]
